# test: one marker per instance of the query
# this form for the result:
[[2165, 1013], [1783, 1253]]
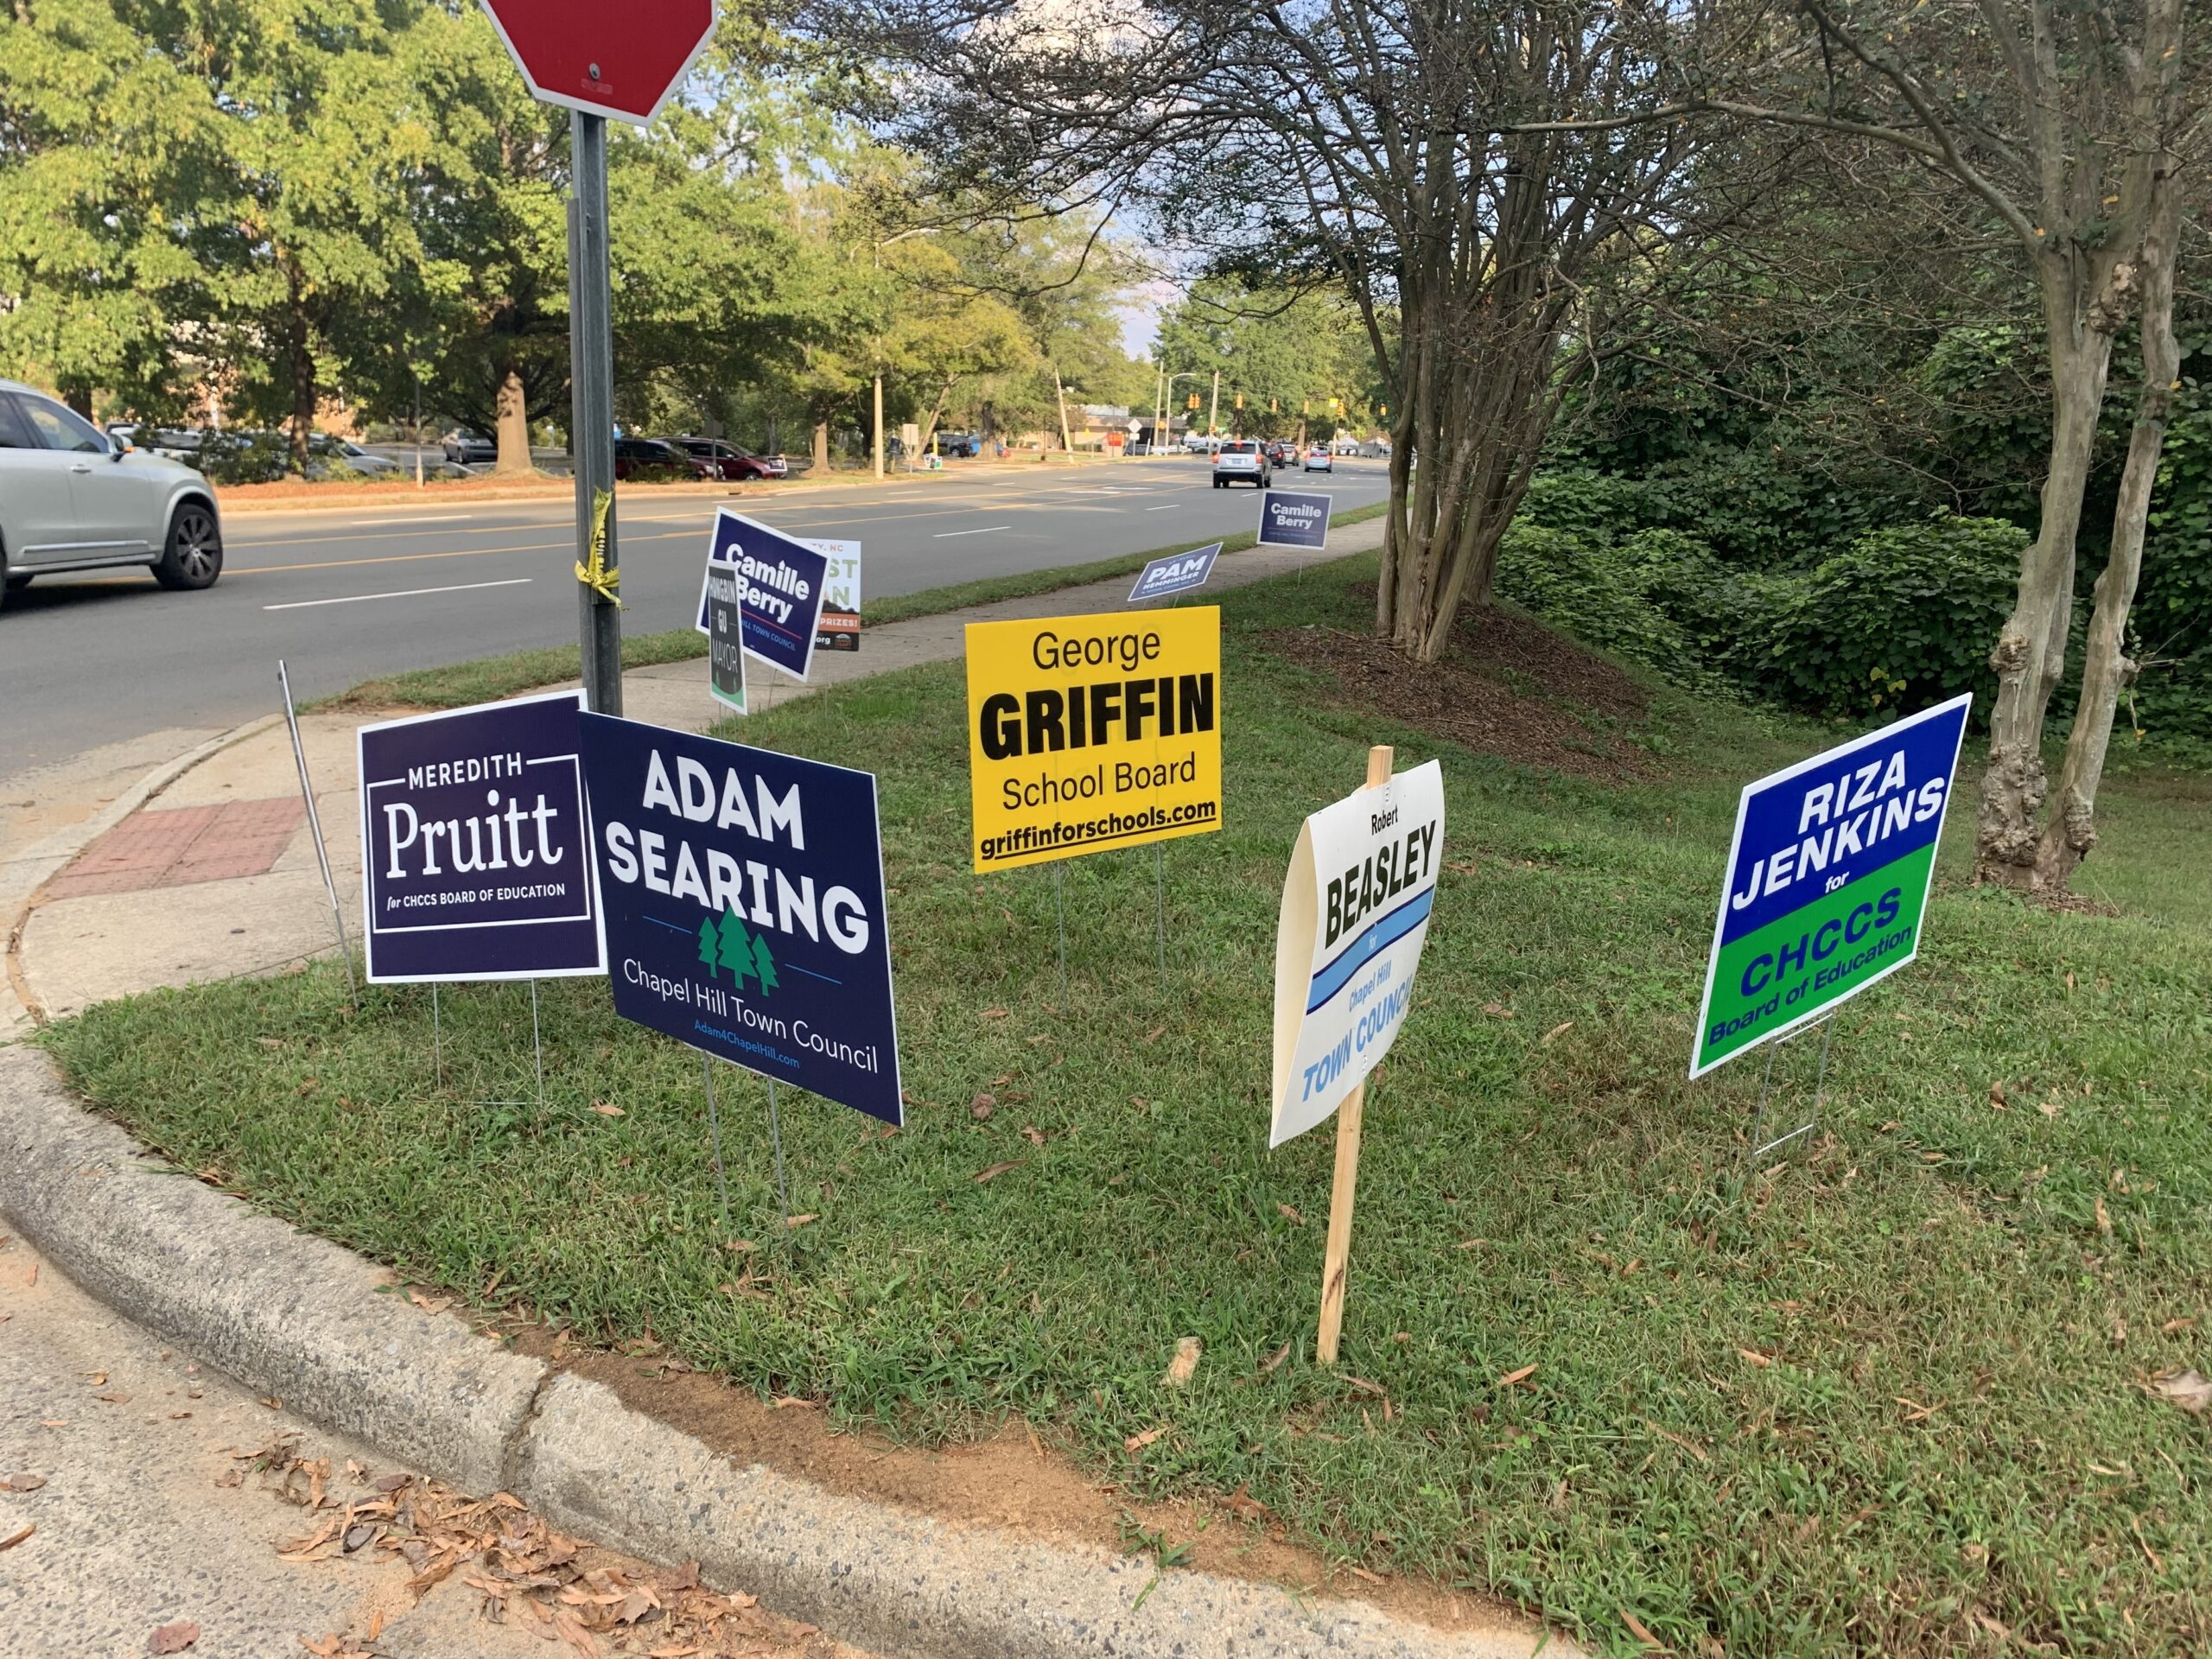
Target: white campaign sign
[[1355, 916]]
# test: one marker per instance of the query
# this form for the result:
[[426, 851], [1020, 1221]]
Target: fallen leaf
[[1155, 1033], [1185, 1365], [1358, 1572], [54, 1422], [1563, 1026], [430, 1304], [173, 1638], [1291, 1214], [1755, 1357], [1138, 1442], [1499, 1009], [1242, 1504], [2104, 1217], [17, 1537], [605, 1109], [24, 1483], [1274, 1359], [114, 1399], [2050, 1108], [1997, 1096], [1688, 1446], [2188, 1389], [981, 1108], [1512, 1377], [2165, 1330], [992, 1171], [792, 1402], [994, 1014], [1637, 1629], [797, 1222], [1033, 1134]]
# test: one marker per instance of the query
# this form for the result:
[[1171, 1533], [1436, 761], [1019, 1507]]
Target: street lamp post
[[1213, 410], [1167, 404]]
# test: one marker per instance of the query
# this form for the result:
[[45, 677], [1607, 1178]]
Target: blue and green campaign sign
[[743, 892], [1828, 880]]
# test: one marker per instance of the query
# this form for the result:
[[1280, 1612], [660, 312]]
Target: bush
[[1905, 619], [1596, 591]]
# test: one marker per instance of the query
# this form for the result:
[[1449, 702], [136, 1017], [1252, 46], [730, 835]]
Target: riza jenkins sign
[[744, 893], [1087, 732], [1355, 916], [1828, 880], [475, 850]]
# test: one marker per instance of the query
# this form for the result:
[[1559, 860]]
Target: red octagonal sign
[[620, 60]]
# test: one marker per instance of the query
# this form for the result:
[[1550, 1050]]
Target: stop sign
[[619, 61]]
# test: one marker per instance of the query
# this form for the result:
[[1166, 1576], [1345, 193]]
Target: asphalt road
[[345, 595]]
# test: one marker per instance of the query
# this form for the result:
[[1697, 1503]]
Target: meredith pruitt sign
[[745, 906], [1293, 518], [1828, 880], [1355, 918], [1088, 732], [781, 587], [475, 846]]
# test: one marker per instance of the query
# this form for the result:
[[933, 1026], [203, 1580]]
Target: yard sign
[[1828, 880], [781, 584]]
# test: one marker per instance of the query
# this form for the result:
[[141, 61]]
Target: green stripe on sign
[[1797, 965]]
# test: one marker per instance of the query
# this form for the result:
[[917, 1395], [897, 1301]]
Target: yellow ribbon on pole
[[595, 574]]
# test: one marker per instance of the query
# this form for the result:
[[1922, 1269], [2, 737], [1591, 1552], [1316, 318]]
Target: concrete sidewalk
[[203, 869]]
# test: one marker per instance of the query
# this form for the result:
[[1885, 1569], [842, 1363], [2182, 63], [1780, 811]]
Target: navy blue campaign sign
[[1290, 519], [475, 848], [745, 908], [1177, 572], [780, 583], [1828, 880]]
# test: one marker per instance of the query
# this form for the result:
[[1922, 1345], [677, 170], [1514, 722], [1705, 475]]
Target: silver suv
[[73, 498], [1243, 459]]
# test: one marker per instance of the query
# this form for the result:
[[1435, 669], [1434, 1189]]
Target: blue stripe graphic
[[1371, 944]]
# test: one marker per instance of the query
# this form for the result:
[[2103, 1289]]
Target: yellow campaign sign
[[1090, 733]]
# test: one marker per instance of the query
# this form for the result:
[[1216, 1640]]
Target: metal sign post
[[591, 437], [315, 823]]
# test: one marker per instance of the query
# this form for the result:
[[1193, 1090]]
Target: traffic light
[[1274, 405], [1194, 400], [1335, 405], [1382, 411], [1308, 409], [1240, 400]]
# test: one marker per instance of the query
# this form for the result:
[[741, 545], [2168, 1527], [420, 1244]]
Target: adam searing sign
[[1091, 732], [745, 911], [475, 848], [1355, 918], [1828, 880]]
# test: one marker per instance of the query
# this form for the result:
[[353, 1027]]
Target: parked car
[[1242, 460], [961, 446], [650, 455], [1344, 445], [72, 498], [326, 455], [1317, 460], [464, 447], [731, 462], [1200, 443]]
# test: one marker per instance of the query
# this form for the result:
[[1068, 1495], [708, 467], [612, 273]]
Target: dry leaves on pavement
[[525, 1574]]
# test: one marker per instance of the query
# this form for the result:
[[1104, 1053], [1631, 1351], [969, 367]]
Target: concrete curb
[[63, 849], [296, 1316]]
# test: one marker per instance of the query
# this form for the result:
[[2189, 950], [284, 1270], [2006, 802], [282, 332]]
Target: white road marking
[[946, 535], [1170, 507], [441, 519], [412, 592]]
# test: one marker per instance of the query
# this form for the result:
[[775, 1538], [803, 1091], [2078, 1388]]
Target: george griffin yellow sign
[[1089, 733]]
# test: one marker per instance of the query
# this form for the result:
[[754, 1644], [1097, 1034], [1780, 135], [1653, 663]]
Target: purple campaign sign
[[779, 590], [475, 845]]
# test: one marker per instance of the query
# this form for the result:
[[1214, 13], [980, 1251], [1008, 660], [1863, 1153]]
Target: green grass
[[1956, 1302], [490, 677]]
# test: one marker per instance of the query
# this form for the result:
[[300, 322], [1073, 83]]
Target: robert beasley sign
[[745, 914], [1828, 880], [475, 861]]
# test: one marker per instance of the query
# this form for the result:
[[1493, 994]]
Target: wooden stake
[[1347, 1181]]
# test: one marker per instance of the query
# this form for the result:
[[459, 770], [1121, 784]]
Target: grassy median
[[1896, 1396]]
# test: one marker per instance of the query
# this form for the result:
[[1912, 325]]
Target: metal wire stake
[[714, 1132], [1160, 907], [1060, 907], [536, 1045], [437, 1036], [776, 1135]]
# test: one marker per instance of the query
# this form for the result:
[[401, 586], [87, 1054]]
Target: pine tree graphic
[[764, 965], [709, 948], [737, 950]]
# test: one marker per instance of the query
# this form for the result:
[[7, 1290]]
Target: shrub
[[1905, 619], [1595, 590]]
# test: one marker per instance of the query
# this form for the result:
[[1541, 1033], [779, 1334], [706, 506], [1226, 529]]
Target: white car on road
[[72, 498], [1317, 460], [1242, 460]]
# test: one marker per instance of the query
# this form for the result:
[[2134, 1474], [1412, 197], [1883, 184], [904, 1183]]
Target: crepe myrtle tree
[[2077, 128], [1376, 146]]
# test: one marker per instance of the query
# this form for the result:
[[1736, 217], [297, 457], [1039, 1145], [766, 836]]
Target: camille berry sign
[[1828, 880], [744, 898]]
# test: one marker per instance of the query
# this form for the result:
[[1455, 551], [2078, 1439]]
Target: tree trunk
[[299, 344], [2107, 669], [2030, 657], [514, 425], [821, 449]]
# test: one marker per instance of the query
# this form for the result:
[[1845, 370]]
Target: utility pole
[[879, 424], [1067, 443], [1213, 410], [591, 437]]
